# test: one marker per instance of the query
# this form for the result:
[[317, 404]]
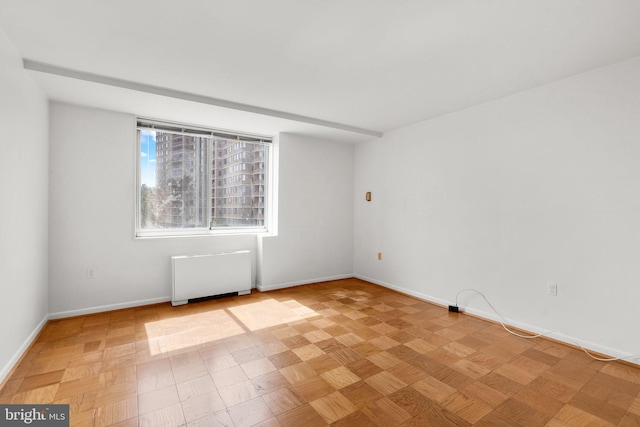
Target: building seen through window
[[191, 180]]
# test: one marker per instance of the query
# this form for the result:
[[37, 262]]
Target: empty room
[[345, 213]]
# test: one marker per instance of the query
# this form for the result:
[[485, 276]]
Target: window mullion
[[209, 174]]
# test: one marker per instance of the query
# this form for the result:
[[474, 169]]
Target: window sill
[[172, 234]]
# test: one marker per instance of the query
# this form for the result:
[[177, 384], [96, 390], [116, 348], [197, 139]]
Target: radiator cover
[[198, 276]]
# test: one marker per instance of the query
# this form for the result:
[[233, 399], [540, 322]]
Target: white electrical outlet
[[552, 289], [91, 273]]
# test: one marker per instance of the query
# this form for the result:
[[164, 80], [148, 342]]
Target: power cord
[[454, 308]]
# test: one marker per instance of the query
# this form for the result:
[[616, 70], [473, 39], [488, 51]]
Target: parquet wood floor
[[341, 353]]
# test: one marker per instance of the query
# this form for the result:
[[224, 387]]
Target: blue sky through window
[[148, 157]]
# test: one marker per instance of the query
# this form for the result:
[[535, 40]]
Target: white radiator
[[200, 276]]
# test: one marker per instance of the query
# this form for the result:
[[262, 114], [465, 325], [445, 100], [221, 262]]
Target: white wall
[[539, 187], [23, 207], [315, 214], [92, 199]]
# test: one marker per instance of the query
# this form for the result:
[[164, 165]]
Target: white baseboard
[[555, 335], [263, 288], [405, 291], [101, 308], [592, 347], [23, 348]]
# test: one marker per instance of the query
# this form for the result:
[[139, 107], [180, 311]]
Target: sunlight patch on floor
[[177, 333], [269, 312]]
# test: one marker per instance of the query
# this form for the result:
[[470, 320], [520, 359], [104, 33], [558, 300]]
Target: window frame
[[211, 133]]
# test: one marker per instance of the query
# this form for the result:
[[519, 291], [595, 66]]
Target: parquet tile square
[[403, 352], [401, 336], [116, 392], [470, 368], [329, 345], [363, 331], [466, 407], [385, 413], [79, 386], [430, 366], [412, 401], [283, 333], [246, 355], [40, 380], [340, 377], [384, 328], [323, 323], [346, 356], [360, 393], [297, 340], [625, 372], [238, 393], [519, 413], [323, 363], [269, 382], [168, 416], [80, 403], [385, 382], [116, 412], [452, 377], [195, 387], [333, 407], [515, 373], [384, 360], [298, 372], [202, 405], [344, 352], [250, 412], [553, 389], [313, 388], [273, 348], [349, 339], [258, 367], [630, 420], [490, 396], [384, 342], [500, 383], [433, 389], [355, 419], [229, 376], [365, 349], [284, 359], [536, 400], [304, 415], [309, 351], [364, 368], [597, 406], [317, 335], [283, 399], [154, 400], [635, 406], [407, 373], [155, 381]]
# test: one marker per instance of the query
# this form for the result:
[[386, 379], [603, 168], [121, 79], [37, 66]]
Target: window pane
[[238, 183], [195, 180], [173, 192]]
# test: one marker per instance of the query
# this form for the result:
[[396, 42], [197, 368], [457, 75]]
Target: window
[[183, 197]]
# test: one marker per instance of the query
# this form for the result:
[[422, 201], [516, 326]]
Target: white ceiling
[[370, 64]]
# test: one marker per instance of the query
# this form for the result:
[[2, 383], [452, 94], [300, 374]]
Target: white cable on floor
[[504, 321]]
